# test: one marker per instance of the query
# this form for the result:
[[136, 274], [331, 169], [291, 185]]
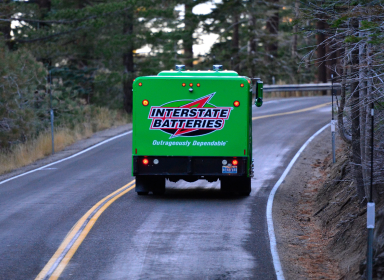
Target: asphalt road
[[192, 232]]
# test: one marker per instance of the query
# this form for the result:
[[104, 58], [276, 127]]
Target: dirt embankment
[[320, 225]]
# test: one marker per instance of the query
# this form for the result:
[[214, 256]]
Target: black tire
[[159, 192], [227, 184], [146, 184], [239, 185], [142, 193], [244, 187]]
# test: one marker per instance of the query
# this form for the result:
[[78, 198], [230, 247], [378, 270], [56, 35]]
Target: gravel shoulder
[[302, 247], [70, 150]]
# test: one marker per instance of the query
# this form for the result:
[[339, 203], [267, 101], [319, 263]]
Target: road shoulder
[[301, 245], [70, 150]]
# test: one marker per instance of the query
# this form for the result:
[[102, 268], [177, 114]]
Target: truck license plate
[[227, 169]]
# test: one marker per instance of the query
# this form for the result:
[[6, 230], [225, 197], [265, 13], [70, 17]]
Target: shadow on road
[[195, 193]]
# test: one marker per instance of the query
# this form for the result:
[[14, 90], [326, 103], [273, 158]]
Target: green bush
[[23, 107]]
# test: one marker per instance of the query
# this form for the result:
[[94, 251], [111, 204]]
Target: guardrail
[[301, 87]]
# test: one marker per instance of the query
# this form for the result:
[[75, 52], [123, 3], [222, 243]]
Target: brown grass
[[30, 151]]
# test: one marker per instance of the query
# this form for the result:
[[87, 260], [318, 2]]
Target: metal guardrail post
[[371, 207], [333, 127]]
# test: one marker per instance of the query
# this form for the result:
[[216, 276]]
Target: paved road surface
[[192, 232]]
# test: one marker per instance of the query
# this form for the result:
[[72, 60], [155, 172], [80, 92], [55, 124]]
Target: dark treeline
[[85, 52]]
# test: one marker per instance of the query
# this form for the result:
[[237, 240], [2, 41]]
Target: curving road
[[192, 232]]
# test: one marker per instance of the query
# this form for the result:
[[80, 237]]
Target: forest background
[[79, 57]]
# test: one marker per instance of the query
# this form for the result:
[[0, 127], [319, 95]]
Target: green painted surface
[[167, 92], [198, 73]]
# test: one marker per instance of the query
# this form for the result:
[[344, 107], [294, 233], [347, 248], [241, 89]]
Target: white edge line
[[67, 158], [271, 232]]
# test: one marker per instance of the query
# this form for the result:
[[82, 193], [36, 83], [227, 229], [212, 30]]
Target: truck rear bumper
[[188, 166]]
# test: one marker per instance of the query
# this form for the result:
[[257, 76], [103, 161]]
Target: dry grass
[[30, 151]]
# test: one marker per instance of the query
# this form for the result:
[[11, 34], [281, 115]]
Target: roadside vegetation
[[25, 134], [38, 147], [350, 44]]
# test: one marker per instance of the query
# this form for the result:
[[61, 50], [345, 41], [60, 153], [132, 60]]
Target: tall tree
[[128, 61], [320, 53], [189, 29], [6, 11], [272, 27]]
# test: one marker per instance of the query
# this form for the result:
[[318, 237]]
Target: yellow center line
[[61, 266], [292, 112]]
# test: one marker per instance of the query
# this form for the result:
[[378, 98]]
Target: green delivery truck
[[193, 125]]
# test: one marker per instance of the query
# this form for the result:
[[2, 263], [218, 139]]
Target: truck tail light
[[234, 162], [145, 102], [236, 103], [145, 161]]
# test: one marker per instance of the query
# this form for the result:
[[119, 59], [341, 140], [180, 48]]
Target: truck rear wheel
[[244, 187], [146, 184], [239, 185], [142, 193]]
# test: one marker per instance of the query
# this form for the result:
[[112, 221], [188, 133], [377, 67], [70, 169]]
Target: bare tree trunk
[[5, 27], [367, 113], [355, 117], [128, 63], [44, 8], [235, 41], [44, 4], [320, 53], [307, 42], [340, 116], [272, 27], [188, 39], [295, 29], [331, 61], [252, 42], [362, 105]]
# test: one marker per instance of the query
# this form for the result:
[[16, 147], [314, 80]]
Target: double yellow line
[[61, 258], [76, 235], [292, 112]]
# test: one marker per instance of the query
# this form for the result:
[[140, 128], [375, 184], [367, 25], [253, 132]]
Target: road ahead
[[192, 232]]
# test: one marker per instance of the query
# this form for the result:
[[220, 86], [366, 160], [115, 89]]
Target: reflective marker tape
[[333, 125], [371, 215]]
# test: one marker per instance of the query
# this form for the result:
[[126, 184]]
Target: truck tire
[[142, 193], [146, 184], [244, 186], [239, 185]]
